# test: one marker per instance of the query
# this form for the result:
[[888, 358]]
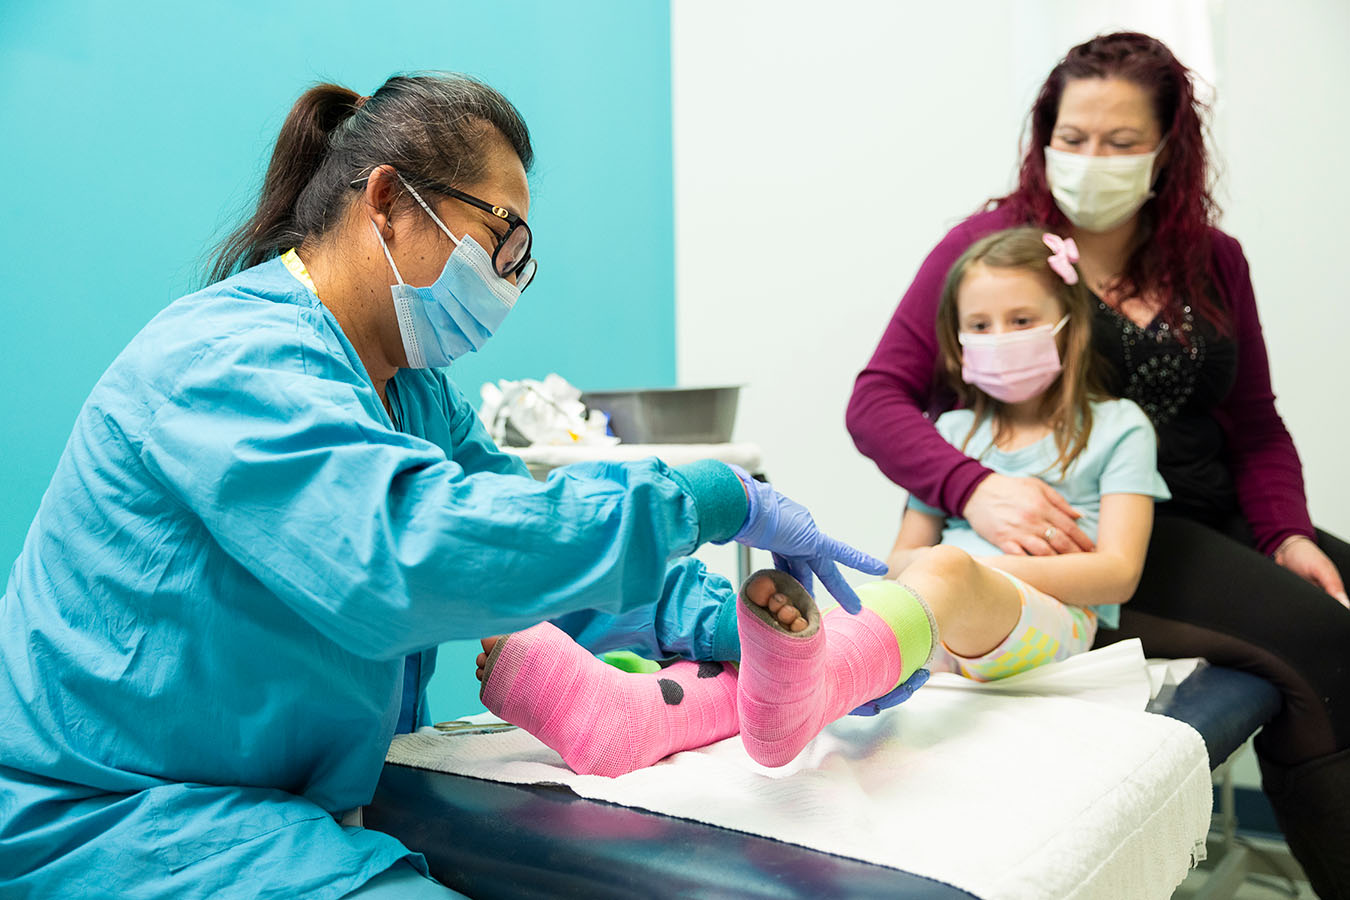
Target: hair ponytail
[[299, 151], [428, 126]]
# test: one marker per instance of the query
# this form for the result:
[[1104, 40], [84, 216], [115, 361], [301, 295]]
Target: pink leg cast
[[601, 720], [793, 684]]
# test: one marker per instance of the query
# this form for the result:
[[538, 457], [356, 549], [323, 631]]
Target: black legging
[[1207, 593]]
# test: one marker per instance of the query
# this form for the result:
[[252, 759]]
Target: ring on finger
[[1049, 532]]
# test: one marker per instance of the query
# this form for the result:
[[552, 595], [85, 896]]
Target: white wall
[[821, 151], [1284, 130]]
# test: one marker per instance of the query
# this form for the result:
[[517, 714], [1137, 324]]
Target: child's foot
[[601, 720], [487, 643], [797, 676], [764, 593]]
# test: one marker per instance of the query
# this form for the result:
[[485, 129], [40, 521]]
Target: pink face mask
[[1013, 366]]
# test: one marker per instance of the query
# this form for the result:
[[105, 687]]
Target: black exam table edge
[[487, 839]]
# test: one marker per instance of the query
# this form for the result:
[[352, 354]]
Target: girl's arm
[[1109, 575], [918, 531]]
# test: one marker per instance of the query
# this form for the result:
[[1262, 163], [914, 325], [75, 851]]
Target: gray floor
[[1257, 887]]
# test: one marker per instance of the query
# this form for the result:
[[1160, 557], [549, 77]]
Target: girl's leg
[[601, 720], [794, 682], [1206, 593], [975, 606], [1046, 631], [992, 624]]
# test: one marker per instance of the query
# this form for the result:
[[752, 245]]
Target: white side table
[[542, 459]]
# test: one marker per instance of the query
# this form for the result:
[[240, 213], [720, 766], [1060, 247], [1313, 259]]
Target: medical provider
[[273, 506]]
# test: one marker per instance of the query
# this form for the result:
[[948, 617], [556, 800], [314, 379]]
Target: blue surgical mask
[[456, 313]]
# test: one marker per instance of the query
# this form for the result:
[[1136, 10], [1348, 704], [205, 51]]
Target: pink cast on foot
[[601, 720], [793, 684]]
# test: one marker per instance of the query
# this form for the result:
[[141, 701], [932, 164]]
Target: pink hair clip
[[1063, 254]]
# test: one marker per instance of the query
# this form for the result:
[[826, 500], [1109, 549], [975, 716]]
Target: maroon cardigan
[[893, 393]]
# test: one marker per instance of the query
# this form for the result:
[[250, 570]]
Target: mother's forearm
[[1269, 480], [889, 428]]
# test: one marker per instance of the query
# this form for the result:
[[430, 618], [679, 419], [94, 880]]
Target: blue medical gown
[[202, 642]]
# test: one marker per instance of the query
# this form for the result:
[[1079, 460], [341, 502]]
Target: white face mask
[[1097, 193]]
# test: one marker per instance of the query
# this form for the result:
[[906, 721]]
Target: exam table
[[488, 839]]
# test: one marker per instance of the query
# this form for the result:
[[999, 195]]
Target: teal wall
[[136, 132]]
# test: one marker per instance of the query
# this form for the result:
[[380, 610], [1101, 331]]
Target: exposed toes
[[765, 594], [791, 618], [760, 590], [787, 615], [488, 643]]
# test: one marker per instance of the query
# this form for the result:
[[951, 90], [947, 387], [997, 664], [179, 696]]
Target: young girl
[[1014, 328], [1015, 331]]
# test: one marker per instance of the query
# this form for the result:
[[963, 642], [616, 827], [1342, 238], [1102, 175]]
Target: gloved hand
[[899, 694], [786, 529]]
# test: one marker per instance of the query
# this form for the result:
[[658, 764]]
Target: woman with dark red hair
[[1236, 571]]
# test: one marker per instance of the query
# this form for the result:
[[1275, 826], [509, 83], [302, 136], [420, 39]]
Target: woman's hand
[[1024, 516], [1306, 560], [785, 528]]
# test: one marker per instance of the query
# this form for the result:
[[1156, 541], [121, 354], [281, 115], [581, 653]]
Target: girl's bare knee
[[946, 563]]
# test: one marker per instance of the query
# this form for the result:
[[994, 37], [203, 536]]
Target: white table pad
[[1054, 786]]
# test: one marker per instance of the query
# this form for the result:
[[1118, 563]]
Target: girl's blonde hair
[[1066, 403]]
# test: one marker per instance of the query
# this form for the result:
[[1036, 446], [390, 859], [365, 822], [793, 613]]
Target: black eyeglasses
[[512, 256]]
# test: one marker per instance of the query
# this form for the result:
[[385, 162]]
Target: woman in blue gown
[[273, 506]]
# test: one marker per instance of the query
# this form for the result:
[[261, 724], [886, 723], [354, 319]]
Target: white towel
[[747, 456], [999, 793]]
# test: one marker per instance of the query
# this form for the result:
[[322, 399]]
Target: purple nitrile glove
[[785, 528], [897, 695]]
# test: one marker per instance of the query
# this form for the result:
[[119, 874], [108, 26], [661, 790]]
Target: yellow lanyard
[[297, 268]]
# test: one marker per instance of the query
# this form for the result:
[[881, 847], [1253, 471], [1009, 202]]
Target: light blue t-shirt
[[1121, 457]]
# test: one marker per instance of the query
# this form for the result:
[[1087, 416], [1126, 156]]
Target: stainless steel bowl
[[669, 415]]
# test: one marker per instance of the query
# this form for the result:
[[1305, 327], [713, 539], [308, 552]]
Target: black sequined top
[[1178, 385]]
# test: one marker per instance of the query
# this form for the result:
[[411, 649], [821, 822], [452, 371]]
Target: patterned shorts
[[1047, 631]]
